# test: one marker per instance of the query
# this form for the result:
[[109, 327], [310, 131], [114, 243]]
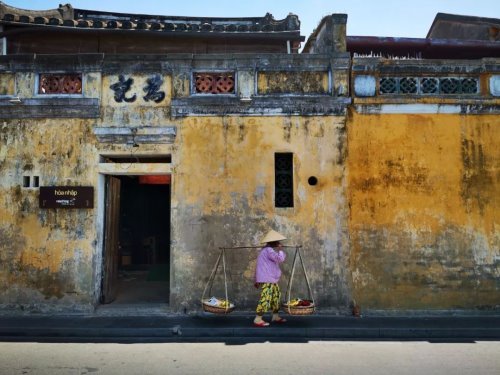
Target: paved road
[[321, 357]]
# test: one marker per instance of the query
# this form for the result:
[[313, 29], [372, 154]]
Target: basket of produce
[[299, 306], [217, 306]]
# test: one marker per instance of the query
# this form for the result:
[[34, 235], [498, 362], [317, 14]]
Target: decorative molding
[[259, 105], [136, 135], [50, 107], [134, 169], [472, 109]]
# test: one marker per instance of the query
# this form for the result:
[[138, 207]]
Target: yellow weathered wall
[[50, 258], [404, 215], [45, 254], [424, 210], [223, 195]]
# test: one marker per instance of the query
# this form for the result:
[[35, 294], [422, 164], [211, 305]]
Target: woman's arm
[[276, 257]]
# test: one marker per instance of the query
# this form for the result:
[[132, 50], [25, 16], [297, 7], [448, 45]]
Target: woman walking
[[267, 276]]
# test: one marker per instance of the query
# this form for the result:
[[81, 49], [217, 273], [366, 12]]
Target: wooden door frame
[[119, 169], [109, 288]]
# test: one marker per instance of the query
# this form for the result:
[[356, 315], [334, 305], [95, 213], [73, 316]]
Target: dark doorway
[[142, 258]]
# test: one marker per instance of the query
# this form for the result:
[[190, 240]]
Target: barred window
[[283, 179], [214, 83], [429, 85], [64, 84]]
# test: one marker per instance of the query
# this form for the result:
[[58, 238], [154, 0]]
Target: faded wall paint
[[292, 82], [25, 84], [424, 211], [46, 254], [7, 83], [223, 196], [404, 215]]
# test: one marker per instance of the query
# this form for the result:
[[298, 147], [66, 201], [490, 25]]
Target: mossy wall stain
[[25, 84], [223, 195], [49, 251], [423, 211], [292, 83], [7, 83], [480, 167], [404, 214], [181, 85]]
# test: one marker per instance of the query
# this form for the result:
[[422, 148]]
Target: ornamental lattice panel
[[65, 84], [429, 85], [214, 83]]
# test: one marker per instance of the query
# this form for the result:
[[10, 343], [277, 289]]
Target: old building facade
[[140, 145]]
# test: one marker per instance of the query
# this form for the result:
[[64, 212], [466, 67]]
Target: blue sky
[[398, 18]]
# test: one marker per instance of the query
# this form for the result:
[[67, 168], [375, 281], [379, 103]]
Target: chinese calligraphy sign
[[152, 89], [121, 87]]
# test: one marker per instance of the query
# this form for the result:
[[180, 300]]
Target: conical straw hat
[[272, 236]]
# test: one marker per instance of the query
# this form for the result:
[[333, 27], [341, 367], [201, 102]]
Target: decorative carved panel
[[60, 84], [283, 82], [214, 83], [429, 85]]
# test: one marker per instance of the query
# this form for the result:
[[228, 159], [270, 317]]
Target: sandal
[[279, 321], [261, 324]]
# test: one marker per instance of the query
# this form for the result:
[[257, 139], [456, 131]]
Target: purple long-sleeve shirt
[[268, 265]]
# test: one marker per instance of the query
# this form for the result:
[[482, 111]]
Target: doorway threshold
[[134, 309]]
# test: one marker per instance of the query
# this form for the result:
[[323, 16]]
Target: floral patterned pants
[[270, 297]]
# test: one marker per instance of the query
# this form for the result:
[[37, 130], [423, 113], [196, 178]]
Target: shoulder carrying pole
[[290, 281], [210, 283]]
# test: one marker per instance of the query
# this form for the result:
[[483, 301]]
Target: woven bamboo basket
[[216, 309], [299, 310]]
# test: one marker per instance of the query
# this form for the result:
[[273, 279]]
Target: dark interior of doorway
[[144, 242]]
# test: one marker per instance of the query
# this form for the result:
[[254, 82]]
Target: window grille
[[428, 85], [449, 85], [469, 85], [388, 86], [283, 180], [60, 84], [214, 83], [408, 85]]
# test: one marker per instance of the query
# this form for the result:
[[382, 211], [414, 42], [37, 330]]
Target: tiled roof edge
[[65, 15], [64, 12]]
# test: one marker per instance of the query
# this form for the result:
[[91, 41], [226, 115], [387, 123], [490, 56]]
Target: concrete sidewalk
[[239, 327]]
